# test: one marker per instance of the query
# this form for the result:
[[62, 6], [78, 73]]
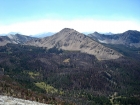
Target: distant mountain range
[[70, 39], [129, 38], [42, 35]]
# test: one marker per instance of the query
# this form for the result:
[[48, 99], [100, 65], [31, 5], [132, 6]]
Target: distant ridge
[[129, 38], [44, 34], [14, 39]]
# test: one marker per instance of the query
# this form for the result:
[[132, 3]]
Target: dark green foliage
[[55, 50], [101, 100], [127, 101]]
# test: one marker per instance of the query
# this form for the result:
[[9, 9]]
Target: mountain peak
[[72, 40], [65, 30], [68, 32], [131, 32], [96, 32]]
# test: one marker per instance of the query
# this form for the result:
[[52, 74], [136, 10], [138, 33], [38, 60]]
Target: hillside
[[67, 76], [71, 40]]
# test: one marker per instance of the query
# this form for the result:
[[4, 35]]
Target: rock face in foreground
[[5, 100], [69, 39]]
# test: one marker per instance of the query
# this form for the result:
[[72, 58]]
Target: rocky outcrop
[[7, 100]]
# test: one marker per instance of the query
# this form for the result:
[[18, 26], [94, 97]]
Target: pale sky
[[30, 17]]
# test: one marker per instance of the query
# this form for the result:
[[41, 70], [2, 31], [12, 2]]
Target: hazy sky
[[38, 16]]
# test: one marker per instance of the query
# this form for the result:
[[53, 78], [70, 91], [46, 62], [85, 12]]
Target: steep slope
[[69, 39], [129, 38], [15, 39]]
